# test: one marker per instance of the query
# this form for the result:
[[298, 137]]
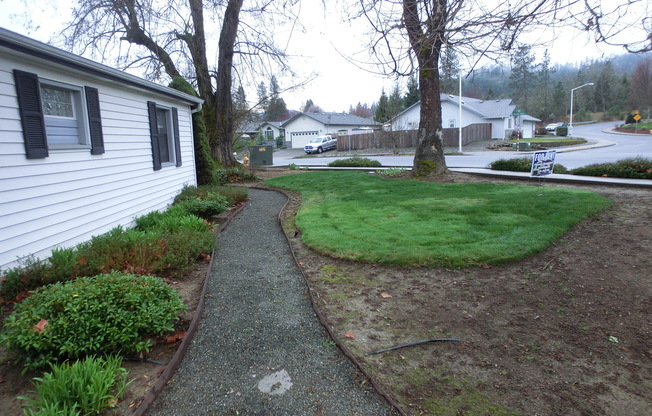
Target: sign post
[[518, 113], [543, 163]]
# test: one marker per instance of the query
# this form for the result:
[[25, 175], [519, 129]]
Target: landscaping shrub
[[355, 162], [214, 204], [518, 164], [85, 387], [233, 175], [210, 199], [562, 131], [541, 131], [104, 314], [521, 164], [633, 168], [161, 244]]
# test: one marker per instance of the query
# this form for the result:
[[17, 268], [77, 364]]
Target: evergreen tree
[[543, 97], [276, 108], [307, 106], [380, 114], [522, 77], [394, 102], [449, 70], [263, 98], [412, 95], [559, 103], [604, 91]]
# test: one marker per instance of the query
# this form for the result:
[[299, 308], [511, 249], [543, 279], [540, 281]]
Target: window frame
[[172, 127], [80, 116], [30, 108], [169, 134]]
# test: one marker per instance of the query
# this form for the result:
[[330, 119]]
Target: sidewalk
[[259, 348]]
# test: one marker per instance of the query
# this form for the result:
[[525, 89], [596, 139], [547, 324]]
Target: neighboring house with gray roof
[[501, 114], [271, 130], [303, 127], [84, 148]]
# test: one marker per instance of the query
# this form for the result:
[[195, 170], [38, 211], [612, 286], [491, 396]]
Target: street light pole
[[570, 124]]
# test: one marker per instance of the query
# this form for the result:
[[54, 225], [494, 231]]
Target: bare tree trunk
[[429, 155], [223, 152]]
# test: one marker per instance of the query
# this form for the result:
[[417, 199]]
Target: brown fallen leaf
[[385, 295], [176, 337], [349, 335], [40, 326]]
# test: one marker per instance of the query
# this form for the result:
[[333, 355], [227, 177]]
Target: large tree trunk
[[223, 151], [429, 155]]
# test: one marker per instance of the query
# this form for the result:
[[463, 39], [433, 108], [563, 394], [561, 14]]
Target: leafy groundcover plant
[[85, 387], [104, 314]]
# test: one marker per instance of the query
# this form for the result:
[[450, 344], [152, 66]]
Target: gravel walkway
[[260, 349]]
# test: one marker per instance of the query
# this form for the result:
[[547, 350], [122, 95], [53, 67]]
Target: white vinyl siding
[[71, 195]]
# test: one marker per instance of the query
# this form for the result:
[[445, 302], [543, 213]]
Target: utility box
[[260, 155], [521, 146]]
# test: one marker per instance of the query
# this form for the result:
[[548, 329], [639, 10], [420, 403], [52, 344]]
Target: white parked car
[[320, 144], [552, 127]]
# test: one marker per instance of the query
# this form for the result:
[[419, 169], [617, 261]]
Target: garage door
[[301, 138]]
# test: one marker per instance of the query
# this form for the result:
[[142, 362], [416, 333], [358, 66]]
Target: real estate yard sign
[[542, 163]]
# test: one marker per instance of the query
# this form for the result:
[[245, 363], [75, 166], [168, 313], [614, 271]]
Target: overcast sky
[[339, 83]]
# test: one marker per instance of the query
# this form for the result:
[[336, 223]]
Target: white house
[[83, 148], [271, 130], [502, 114], [303, 127]]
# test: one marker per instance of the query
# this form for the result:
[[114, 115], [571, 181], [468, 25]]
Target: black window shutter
[[177, 138], [153, 133], [31, 114], [94, 120]]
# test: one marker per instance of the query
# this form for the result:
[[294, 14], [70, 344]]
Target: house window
[[57, 115], [509, 123], [451, 123], [64, 116], [269, 134], [164, 134]]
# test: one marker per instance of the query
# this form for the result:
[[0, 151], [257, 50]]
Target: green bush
[[562, 131], [355, 162], [541, 131], [85, 387], [518, 164], [104, 314], [161, 245], [521, 164], [233, 175], [158, 251], [233, 194], [215, 204], [632, 168]]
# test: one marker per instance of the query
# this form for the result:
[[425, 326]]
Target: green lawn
[[362, 217]]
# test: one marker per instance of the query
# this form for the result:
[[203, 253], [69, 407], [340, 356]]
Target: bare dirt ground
[[565, 332]]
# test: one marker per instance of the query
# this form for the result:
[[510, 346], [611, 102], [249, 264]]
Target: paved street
[[602, 147]]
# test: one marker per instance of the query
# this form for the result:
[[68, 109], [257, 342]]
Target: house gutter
[[34, 48]]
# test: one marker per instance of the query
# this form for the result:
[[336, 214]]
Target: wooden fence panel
[[408, 139]]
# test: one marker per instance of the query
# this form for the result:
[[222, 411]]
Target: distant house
[[303, 127], [502, 114], [271, 130], [83, 148]]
